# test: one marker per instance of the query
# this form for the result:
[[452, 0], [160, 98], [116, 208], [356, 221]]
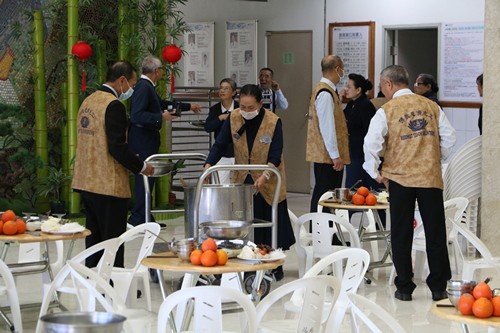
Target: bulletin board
[[354, 42]]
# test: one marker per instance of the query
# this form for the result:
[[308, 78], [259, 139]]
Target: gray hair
[[397, 74], [329, 62], [149, 64]]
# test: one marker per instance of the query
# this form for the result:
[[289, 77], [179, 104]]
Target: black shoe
[[439, 295], [163, 226], [139, 293], [402, 296]]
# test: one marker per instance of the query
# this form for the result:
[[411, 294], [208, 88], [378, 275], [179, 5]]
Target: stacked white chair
[[364, 312], [86, 283], [322, 235], [207, 314], [317, 290], [349, 266], [125, 279], [470, 265], [9, 288]]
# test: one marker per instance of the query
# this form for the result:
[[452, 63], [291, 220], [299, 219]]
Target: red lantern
[[171, 53], [82, 51]]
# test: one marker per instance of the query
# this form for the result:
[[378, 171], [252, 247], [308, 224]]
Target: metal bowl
[[162, 168], [455, 289], [83, 322], [183, 248], [226, 229], [342, 194]]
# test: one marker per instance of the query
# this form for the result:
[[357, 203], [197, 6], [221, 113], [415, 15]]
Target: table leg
[[465, 328]]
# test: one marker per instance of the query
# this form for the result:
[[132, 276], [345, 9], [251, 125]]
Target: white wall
[[280, 15]]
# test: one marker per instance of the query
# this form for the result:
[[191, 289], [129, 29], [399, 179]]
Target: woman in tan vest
[[257, 136]]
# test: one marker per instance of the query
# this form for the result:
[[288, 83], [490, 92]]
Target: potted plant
[[179, 164], [51, 187]]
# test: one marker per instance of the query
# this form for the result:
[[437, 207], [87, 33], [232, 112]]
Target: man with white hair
[[148, 112]]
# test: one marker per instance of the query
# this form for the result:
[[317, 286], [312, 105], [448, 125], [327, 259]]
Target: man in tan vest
[[327, 137], [103, 158], [413, 134]]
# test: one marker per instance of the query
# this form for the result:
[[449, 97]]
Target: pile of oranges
[[10, 224], [480, 303], [209, 255], [364, 197]]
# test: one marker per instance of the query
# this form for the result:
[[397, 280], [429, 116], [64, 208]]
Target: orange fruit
[[482, 290], [482, 308], [465, 303], [195, 257], [1, 227], [209, 244], [21, 226], [222, 257], [358, 199], [208, 258], [363, 191], [496, 306], [8, 215], [10, 228], [371, 200]]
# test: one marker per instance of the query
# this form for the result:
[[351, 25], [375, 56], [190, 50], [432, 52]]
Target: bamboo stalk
[[73, 96], [65, 192], [41, 149], [101, 60]]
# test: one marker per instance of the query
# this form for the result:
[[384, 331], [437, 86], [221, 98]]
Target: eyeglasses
[[224, 88], [416, 84]]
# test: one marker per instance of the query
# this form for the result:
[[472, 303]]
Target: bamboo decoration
[[66, 188], [123, 31], [101, 60], [73, 97], [40, 103]]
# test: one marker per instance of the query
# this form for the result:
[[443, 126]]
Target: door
[[289, 55]]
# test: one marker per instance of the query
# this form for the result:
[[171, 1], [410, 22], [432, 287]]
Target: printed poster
[[241, 51], [199, 57]]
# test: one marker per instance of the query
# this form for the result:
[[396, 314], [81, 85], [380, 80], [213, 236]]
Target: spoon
[[354, 185]]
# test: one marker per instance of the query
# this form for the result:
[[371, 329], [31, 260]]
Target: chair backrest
[[322, 233], [325, 196], [11, 290], [207, 315], [105, 265], [317, 289], [361, 308], [348, 265], [460, 229], [148, 232]]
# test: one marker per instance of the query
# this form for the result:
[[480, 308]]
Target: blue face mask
[[126, 95]]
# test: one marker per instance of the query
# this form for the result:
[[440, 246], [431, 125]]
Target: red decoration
[[82, 51], [171, 53]]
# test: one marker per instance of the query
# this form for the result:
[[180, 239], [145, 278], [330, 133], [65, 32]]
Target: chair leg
[[147, 289]]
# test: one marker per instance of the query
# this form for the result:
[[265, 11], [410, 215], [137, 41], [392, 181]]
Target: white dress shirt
[[324, 109], [374, 140]]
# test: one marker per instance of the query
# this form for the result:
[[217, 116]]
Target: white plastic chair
[[361, 308], [31, 252], [322, 235], [9, 288], [454, 210], [303, 238], [357, 218], [103, 269], [86, 283], [470, 265], [349, 266], [125, 279], [207, 315], [317, 290]]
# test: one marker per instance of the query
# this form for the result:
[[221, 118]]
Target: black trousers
[[325, 179], [106, 217], [430, 203]]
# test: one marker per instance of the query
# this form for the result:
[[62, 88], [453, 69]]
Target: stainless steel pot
[[218, 202], [82, 322], [161, 168], [342, 194]]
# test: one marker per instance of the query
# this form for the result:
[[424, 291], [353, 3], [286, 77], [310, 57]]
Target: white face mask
[[126, 95], [249, 115], [340, 77]]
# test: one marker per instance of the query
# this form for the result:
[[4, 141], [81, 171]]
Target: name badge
[[266, 139], [236, 136]]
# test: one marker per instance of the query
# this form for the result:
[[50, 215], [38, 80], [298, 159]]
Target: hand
[[168, 116], [260, 182], [223, 116], [149, 171], [207, 179], [338, 164], [196, 108], [382, 180], [275, 85]]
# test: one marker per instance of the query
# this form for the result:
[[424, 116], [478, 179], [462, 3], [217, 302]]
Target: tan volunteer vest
[[259, 155], [413, 155], [316, 150], [96, 170]]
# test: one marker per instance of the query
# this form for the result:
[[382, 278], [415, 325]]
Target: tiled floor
[[414, 316]]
